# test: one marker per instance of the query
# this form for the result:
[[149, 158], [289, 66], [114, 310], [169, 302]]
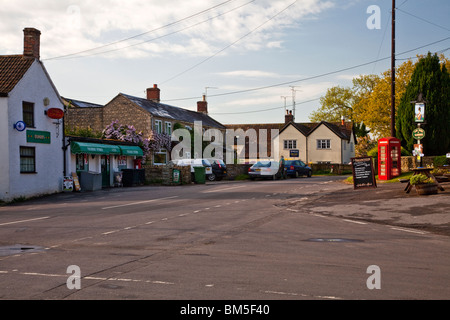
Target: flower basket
[[426, 188]]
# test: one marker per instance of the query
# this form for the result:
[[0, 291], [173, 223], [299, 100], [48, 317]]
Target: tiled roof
[[12, 69], [167, 111], [80, 104]]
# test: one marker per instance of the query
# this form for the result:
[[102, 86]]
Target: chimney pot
[[31, 43], [153, 94], [289, 117]]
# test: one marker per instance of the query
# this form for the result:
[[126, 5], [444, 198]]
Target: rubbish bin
[[199, 174], [176, 176], [133, 177], [90, 181]]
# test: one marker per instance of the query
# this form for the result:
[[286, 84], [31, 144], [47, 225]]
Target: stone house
[[145, 114]]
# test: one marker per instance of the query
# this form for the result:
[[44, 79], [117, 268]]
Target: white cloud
[[74, 26]]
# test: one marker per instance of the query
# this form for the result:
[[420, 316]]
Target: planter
[[426, 188]]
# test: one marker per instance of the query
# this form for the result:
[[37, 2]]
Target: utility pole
[[393, 72]]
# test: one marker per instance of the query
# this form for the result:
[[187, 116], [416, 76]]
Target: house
[[31, 161], [147, 115], [322, 142]]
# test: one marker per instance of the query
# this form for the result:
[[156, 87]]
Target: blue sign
[[20, 125], [294, 153]]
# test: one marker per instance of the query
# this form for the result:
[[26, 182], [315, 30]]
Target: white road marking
[[409, 230], [223, 189], [20, 221], [353, 221], [138, 202]]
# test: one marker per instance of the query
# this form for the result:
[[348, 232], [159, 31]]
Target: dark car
[[219, 170], [297, 168]]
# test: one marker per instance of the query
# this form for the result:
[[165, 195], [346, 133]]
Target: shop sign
[[55, 113], [418, 133], [38, 136], [67, 183]]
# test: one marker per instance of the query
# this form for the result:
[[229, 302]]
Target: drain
[[333, 240], [19, 248]]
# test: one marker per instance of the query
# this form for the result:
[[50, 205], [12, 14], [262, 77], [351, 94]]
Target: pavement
[[388, 203]]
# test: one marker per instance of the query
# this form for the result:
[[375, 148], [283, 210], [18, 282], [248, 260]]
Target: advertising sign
[[38, 136], [67, 184], [418, 133], [363, 173], [294, 153]]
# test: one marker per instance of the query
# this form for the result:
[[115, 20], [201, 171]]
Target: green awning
[[131, 151], [93, 148]]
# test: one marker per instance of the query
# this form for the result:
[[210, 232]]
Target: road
[[225, 241]]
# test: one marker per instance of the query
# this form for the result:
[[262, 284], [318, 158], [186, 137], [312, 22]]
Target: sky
[[252, 59]]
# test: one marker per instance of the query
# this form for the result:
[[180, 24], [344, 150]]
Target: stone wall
[[234, 170], [164, 174], [83, 118]]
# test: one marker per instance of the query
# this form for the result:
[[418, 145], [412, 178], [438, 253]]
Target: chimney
[[289, 117], [202, 106], [153, 93], [31, 43]]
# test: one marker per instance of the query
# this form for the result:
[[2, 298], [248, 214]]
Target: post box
[[389, 158]]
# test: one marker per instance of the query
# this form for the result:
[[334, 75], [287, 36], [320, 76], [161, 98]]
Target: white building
[[31, 157]]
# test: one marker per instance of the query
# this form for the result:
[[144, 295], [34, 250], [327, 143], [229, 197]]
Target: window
[[290, 144], [158, 126], [160, 157], [168, 128], [27, 160], [323, 144], [28, 113]]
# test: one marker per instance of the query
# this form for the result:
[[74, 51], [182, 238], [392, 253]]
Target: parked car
[[265, 169], [196, 163], [219, 170], [297, 168]]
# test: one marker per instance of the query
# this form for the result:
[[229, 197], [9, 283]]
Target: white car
[[265, 169], [195, 163]]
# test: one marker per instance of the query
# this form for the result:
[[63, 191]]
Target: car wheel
[[212, 177], [296, 174], [309, 174]]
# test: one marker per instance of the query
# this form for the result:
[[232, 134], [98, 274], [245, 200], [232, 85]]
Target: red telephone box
[[389, 158]]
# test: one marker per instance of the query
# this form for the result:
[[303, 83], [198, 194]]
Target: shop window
[[323, 144], [160, 157], [27, 160], [290, 144], [28, 114]]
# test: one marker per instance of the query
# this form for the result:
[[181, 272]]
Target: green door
[[105, 170]]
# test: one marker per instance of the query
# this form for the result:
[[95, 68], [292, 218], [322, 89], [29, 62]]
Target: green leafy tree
[[431, 79]]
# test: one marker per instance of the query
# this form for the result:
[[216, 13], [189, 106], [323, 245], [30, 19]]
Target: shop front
[[101, 161]]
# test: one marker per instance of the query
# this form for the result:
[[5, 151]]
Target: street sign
[[418, 133]]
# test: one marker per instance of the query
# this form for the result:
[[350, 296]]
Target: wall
[[127, 113], [34, 87], [332, 155], [5, 129], [291, 133], [84, 118]]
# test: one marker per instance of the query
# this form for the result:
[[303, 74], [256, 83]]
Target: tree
[[431, 79], [337, 102]]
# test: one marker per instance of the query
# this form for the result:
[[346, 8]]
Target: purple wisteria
[[128, 133]]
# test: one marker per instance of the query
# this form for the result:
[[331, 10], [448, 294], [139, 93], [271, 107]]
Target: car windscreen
[[206, 163], [262, 164], [290, 163]]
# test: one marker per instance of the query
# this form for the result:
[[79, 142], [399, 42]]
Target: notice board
[[363, 173]]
